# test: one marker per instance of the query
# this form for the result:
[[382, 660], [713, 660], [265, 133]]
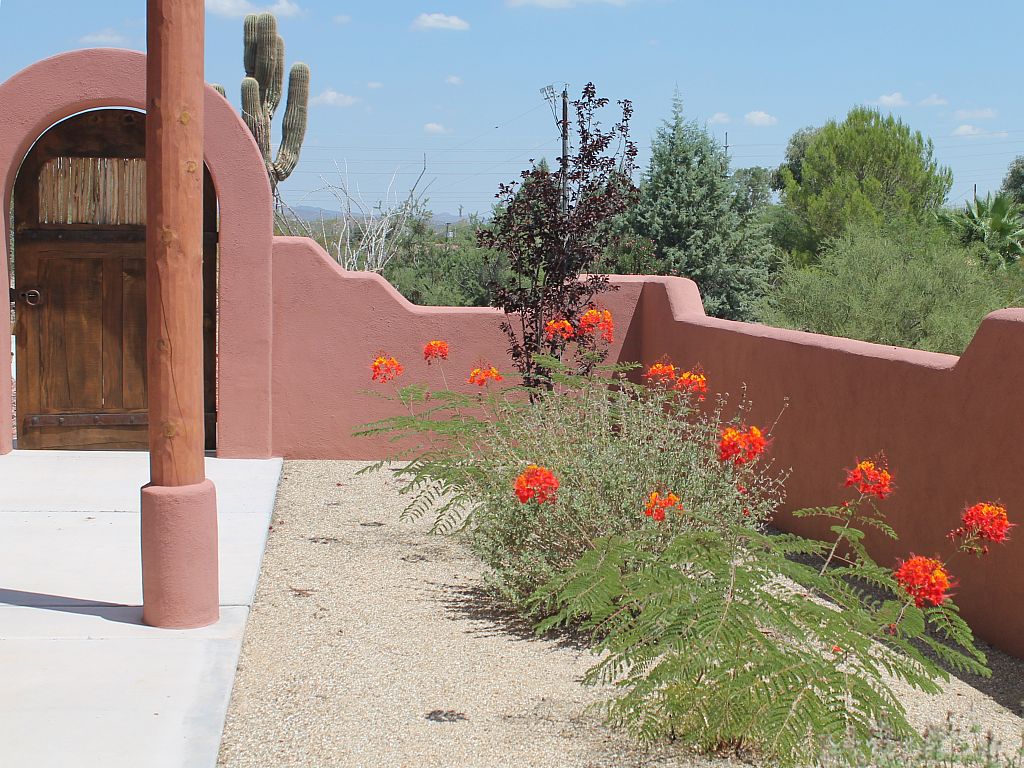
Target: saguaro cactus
[[261, 94]]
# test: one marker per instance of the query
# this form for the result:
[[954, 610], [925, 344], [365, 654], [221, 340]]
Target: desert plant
[[261, 95], [994, 221]]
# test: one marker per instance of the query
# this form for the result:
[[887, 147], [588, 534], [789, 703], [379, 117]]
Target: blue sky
[[458, 80]]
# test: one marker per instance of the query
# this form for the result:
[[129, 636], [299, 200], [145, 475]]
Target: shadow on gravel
[[1006, 686], [495, 619]]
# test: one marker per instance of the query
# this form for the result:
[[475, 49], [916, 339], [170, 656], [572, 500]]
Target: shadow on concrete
[[128, 614]]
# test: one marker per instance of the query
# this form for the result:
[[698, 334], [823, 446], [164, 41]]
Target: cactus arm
[[219, 89], [249, 43], [254, 116], [266, 52], [294, 123], [277, 78]]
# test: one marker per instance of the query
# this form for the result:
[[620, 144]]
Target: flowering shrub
[[729, 637], [625, 509]]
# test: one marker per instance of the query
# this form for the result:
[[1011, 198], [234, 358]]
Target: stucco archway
[[55, 88]]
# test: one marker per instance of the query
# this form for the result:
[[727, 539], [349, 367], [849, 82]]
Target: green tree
[[869, 168], [1013, 182], [796, 148], [752, 191], [687, 209], [906, 284]]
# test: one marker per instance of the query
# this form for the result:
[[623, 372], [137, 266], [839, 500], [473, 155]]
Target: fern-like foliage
[[735, 641]]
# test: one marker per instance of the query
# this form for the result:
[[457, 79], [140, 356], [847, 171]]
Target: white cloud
[[375, 84], [106, 36], [440, 21], [342, 18], [894, 99], [760, 118], [562, 3], [332, 98], [434, 128], [933, 101], [719, 117], [237, 8], [453, 80], [967, 130], [975, 114]]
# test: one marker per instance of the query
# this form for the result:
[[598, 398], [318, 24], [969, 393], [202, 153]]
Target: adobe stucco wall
[[949, 426]]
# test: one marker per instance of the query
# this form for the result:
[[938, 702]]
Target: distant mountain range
[[315, 213]]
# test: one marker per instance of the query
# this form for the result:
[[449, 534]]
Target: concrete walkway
[[84, 683]]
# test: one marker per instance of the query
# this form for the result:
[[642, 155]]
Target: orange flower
[[435, 350], [693, 382], [537, 483], [594, 320], [480, 376], [657, 504], [558, 328], [924, 579], [741, 445], [385, 369], [870, 479], [661, 373], [984, 520]]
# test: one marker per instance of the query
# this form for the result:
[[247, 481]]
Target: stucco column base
[[179, 556]]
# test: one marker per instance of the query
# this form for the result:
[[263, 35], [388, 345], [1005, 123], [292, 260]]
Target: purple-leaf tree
[[552, 244]]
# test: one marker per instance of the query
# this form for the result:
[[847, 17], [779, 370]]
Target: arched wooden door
[[80, 286]]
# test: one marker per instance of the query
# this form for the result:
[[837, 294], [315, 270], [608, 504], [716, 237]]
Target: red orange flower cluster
[[384, 369], [480, 376], [658, 504], [435, 350], [984, 521], [870, 479], [537, 483], [741, 445], [597, 320], [661, 373], [561, 329], [693, 382], [925, 579], [666, 374]]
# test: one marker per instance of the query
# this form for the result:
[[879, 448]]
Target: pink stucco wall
[[55, 88]]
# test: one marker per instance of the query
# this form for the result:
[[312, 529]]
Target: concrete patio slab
[[84, 682]]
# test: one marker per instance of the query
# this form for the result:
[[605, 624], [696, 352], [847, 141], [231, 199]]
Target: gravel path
[[370, 644]]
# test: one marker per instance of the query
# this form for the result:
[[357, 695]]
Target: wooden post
[[179, 511]]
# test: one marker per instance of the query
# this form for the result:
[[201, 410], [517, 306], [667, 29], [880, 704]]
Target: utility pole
[[565, 151]]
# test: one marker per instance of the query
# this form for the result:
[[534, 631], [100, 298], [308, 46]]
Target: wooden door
[[80, 286]]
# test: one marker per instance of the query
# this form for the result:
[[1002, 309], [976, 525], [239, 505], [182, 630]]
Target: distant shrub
[[908, 286]]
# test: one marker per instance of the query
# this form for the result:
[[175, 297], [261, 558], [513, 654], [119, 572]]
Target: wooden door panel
[[133, 339], [69, 322]]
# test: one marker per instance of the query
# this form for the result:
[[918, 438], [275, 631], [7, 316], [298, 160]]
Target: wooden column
[[179, 521]]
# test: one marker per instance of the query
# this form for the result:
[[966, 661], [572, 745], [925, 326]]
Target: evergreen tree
[[1013, 182], [688, 209]]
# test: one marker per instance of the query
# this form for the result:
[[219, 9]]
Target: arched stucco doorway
[[80, 286], [51, 90]]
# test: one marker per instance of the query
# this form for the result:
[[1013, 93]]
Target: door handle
[[32, 297]]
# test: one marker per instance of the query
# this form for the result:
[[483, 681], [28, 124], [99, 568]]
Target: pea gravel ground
[[371, 644]]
